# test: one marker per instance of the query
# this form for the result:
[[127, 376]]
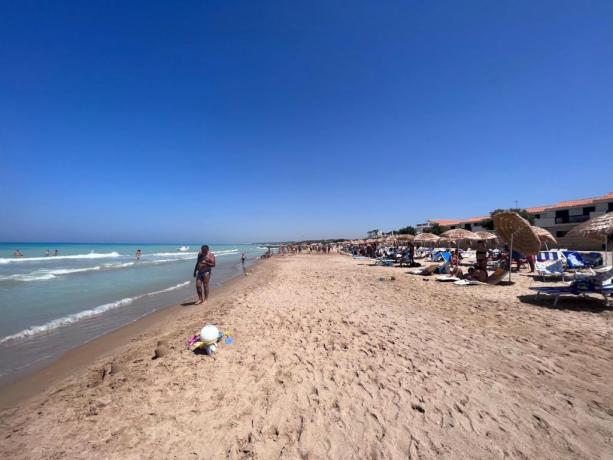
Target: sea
[[52, 303]]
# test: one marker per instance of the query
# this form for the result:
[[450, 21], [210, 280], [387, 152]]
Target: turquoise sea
[[52, 303]]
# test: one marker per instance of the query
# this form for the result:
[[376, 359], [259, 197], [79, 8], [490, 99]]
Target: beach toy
[[229, 340], [209, 334], [211, 349]]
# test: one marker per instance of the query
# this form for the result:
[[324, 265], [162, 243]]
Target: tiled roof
[[534, 210], [571, 203], [445, 222]]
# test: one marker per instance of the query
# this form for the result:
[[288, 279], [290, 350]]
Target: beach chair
[[497, 276], [581, 287], [385, 262], [574, 260], [592, 259], [548, 270], [544, 256]]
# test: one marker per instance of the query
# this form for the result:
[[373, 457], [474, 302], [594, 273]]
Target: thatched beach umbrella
[[599, 228], [486, 236], [457, 235], [545, 236], [405, 237], [390, 239], [516, 231], [426, 238]]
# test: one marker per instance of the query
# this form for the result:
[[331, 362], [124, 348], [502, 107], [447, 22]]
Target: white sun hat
[[209, 334]]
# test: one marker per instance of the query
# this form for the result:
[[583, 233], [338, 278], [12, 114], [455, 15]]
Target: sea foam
[[75, 317], [91, 255]]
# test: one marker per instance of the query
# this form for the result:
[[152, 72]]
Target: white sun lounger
[[551, 269]]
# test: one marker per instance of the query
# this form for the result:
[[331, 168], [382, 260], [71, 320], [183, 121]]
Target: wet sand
[[334, 359]]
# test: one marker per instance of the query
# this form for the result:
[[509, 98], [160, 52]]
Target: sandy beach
[[335, 359]]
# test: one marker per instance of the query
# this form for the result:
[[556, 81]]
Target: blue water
[[49, 304]]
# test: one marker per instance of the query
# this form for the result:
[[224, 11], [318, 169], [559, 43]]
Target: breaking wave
[[75, 317], [91, 255]]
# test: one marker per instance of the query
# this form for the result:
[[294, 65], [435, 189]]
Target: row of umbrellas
[[454, 235], [514, 230]]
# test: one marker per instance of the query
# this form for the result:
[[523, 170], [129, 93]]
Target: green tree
[[408, 230], [435, 228], [489, 223]]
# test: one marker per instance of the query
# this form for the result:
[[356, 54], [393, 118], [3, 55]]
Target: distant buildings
[[558, 218], [373, 233]]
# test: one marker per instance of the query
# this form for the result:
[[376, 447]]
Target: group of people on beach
[[18, 253]]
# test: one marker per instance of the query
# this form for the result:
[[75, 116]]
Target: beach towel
[[467, 283], [446, 278], [574, 259], [543, 256], [555, 268]]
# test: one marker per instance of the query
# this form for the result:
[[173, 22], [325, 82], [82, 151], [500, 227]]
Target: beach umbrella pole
[[510, 258]]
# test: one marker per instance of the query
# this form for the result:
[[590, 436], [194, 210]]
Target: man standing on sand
[[202, 273]]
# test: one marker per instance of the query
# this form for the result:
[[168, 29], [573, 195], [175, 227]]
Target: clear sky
[[232, 121]]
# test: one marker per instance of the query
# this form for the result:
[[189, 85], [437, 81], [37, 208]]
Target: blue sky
[[241, 121]]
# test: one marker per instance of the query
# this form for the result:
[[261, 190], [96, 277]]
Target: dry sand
[[329, 361]]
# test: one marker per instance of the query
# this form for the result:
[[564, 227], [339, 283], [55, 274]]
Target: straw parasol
[[457, 235], [426, 238], [545, 236], [486, 236], [405, 237], [390, 239], [517, 232], [599, 228]]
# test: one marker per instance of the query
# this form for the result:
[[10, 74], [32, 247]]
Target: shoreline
[[338, 358], [79, 358]]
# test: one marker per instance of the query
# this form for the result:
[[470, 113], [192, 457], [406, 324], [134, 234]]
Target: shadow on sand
[[571, 303]]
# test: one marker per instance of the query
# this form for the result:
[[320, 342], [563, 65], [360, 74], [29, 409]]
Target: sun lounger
[[544, 256], [497, 276], [574, 259], [592, 259], [551, 269], [581, 287], [385, 262]]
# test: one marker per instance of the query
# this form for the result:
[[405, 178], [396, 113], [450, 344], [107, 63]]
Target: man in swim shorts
[[202, 273]]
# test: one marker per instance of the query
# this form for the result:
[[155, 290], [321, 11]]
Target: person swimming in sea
[[202, 273], [243, 258], [138, 254], [47, 253], [18, 253], [56, 252]]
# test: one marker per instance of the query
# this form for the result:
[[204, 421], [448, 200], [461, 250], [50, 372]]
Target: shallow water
[[50, 304]]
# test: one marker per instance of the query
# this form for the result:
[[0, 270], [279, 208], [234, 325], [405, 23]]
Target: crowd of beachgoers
[[465, 258]]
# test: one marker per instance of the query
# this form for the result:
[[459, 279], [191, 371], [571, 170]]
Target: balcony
[[571, 219]]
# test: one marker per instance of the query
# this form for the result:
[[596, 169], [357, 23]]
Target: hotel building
[[558, 218]]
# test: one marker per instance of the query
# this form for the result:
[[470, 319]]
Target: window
[[537, 216], [560, 233], [610, 208], [562, 217], [468, 226], [588, 209]]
